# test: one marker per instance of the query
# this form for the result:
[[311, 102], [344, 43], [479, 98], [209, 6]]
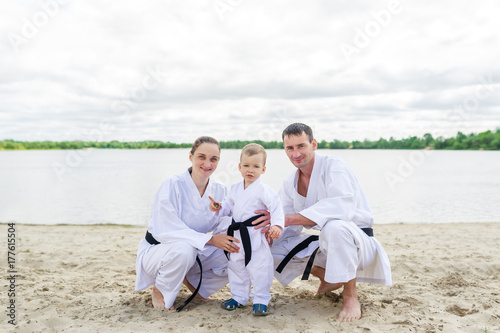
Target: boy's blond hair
[[253, 149]]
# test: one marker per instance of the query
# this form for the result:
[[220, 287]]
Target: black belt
[[151, 240], [245, 236], [304, 244], [368, 231], [299, 247]]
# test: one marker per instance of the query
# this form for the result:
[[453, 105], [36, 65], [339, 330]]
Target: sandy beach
[[446, 278]]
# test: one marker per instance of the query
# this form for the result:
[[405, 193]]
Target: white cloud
[[246, 76]]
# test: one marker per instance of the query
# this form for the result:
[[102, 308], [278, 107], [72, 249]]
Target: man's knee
[[336, 230]]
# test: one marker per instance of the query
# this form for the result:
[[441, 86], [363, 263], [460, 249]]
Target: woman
[[177, 232]]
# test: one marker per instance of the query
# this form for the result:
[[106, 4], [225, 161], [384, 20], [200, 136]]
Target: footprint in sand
[[461, 312]]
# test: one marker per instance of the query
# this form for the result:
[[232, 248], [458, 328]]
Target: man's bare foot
[[192, 289], [352, 309], [324, 286], [157, 298]]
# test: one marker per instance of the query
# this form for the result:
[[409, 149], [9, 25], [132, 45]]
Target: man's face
[[299, 150]]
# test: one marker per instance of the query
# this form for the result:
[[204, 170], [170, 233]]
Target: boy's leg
[[239, 280], [261, 271]]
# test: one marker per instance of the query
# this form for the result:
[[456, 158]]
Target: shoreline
[[446, 278]]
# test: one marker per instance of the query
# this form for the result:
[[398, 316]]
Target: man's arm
[[297, 219]]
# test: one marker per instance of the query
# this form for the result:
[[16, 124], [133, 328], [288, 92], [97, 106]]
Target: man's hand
[[269, 239], [263, 222]]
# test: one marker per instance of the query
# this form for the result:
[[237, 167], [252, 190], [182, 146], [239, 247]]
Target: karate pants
[[258, 273], [344, 252], [171, 262]]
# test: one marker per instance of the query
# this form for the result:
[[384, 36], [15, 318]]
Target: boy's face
[[251, 167]]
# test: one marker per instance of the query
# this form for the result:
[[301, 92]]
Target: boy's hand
[[275, 232], [214, 205]]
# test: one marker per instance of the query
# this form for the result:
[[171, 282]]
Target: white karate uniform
[[241, 204], [180, 221], [338, 206]]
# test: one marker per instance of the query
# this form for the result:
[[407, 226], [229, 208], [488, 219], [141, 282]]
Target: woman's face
[[205, 159]]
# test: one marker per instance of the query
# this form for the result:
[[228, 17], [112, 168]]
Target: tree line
[[487, 140]]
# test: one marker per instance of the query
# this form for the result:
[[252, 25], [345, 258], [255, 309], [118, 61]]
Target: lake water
[[118, 186]]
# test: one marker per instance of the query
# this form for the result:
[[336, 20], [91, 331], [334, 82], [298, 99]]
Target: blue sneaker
[[259, 310], [231, 304]]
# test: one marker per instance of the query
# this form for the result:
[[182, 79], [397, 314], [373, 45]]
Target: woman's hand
[[263, 222], [225, 242]]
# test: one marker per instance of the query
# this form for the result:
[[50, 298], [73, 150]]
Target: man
[[324, 194]]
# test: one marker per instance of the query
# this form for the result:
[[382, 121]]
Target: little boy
[[253, 264]]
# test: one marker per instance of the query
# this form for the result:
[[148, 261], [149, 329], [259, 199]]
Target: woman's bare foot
[[192, 289], [157, 298], [324, 286]]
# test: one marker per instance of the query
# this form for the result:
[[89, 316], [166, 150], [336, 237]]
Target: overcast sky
[[241, 69]]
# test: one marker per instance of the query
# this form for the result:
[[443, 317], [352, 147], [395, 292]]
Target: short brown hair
[[253, 149], [298, 129]]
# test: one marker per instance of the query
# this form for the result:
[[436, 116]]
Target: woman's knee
[[180, 254]]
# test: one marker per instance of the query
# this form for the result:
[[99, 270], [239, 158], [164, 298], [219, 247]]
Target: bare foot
[[352, 309], [324, 286], [157, 298], [192, 289]]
